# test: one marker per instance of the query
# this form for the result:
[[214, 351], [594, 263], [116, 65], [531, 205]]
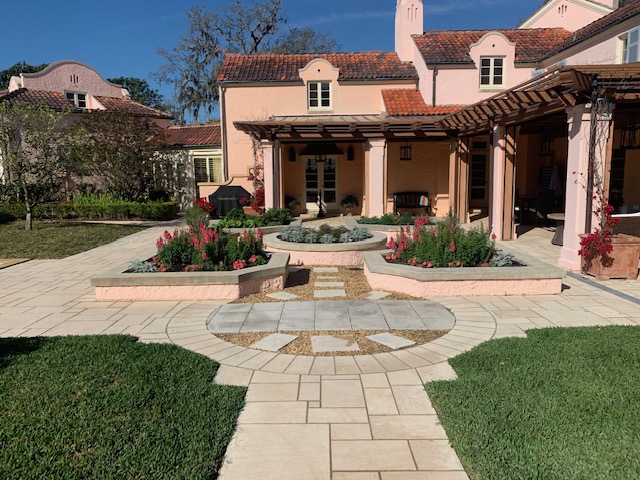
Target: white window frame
[[210, 160], [319, 99], [492, 85], [77, 101], [630, 46]]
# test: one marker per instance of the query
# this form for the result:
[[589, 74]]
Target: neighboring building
[[197, 162], [77, 88], [373, 124]]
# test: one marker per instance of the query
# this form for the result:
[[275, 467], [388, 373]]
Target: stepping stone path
[[332, 283], [274, 342]]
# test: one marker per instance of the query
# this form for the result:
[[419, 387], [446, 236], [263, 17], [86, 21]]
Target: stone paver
[[329, 293], [318, 284], [342, 418], [274, 342], [334, 343], [392, 341], [282, 295]]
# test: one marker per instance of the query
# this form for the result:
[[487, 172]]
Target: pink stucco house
[[488, 122]]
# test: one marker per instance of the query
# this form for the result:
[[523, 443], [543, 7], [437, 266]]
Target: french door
[[320, 184]]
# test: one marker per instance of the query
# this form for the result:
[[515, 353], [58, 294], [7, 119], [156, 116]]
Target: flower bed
[[236, 218], [391, 219], [325, 234], [346, 253], [533, 277], [201, 264], [448, 261]]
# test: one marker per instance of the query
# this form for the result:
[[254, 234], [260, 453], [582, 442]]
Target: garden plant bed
[[302, 344], [158, 286], [532, 278], [265, 230], [345, 254]]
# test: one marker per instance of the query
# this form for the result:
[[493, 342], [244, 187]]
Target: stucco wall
[[73, 77], [566, 14], [260, 102], [428, 170], [460, 84]]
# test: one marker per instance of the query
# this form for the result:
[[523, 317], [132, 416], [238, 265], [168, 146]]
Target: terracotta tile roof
[[58, 101], [407, 102], [617, 16], [452, 46], [129, 106], [284, 68], [53, 100], [192, 135]]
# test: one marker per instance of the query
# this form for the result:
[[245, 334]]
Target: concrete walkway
[[342, 418]]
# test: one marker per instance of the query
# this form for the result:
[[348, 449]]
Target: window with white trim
[[78, 99], [492, 72], [630, 46], [319, 95], [208, 169]]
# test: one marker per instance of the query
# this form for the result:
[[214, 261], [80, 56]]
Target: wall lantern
[[351, 155], [629, 137], [546, 147], [405, 152]]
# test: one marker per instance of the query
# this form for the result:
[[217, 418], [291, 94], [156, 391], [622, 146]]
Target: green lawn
[[108, 407], [560, 404], [57, 239]]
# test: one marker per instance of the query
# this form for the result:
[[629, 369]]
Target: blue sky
[[118, 37]]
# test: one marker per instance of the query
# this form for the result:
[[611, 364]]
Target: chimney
[[409, 21]]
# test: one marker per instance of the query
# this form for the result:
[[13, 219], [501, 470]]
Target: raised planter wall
[[127, 287], [339, 254], [535, 278]]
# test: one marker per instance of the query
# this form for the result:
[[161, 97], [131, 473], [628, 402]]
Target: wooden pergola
[[546, 94]]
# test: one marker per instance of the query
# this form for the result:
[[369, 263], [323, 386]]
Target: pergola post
[[497, 160], [376, 177], [271, 160], [459, 178]]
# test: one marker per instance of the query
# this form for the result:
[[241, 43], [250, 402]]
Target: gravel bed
[[302, 344]]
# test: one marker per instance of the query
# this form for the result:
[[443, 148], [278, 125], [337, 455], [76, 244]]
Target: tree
[[117, 150], [192, 67], [305, 40], [17, 69], [32, 169], [141, 92]]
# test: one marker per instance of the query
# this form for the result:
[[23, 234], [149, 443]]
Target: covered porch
[[558, 146], [317, 161]]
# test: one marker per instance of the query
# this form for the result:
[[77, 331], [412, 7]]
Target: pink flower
[[253, 259], [452, 247], [493, 236], [204, 255], [429, 265]]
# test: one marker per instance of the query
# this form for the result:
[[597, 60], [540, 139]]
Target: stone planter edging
[[339, 254], [264, 230], [535, 278], [158, 286]]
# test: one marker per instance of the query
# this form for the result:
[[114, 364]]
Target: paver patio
[[345, 418]]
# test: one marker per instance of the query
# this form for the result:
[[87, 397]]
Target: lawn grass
[[50, 240], [108, 407], [560, 404]]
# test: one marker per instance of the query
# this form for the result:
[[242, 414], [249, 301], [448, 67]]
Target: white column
[[579, 120], [270, 183], [497, 154], [376, 178]]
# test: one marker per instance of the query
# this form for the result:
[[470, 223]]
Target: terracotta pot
[[250, 211], [622, 262]]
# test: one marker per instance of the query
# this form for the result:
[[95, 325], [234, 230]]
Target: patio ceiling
[[546, 94], [343, 127]]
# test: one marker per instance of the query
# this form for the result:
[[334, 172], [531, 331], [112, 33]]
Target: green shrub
[[195, 216], [324, 234], [6, 217], [236, 218], [405, 218], [116, 211]]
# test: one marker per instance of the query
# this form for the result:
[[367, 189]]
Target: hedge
[[116, 211]]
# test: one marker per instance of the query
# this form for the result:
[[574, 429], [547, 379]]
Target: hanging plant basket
[[622, 262]]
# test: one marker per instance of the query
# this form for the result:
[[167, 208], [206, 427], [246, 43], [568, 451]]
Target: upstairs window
[[319, 95], [491, 72], [630, 46], [78, 99]]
